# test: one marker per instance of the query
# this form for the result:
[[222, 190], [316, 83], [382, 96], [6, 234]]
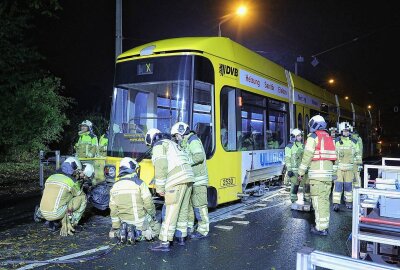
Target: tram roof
[[221, 47], [227, 49]]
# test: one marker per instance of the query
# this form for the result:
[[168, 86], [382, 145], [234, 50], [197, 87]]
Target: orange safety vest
[[325, 149]]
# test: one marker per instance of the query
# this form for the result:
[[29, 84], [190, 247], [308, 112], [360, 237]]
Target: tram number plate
[[228, 182]]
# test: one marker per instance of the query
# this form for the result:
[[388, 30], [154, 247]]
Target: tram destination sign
[[145, 68]]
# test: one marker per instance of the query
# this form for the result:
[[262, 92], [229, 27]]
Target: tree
[[31, 107]]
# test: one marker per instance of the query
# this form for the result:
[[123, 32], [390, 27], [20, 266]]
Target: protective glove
[[67, 228], [290, 174], [113, 233], [148, 234]]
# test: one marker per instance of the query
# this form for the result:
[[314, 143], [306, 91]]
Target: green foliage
[[31, 108]]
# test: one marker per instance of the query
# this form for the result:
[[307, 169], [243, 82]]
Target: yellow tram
[[241, 105]]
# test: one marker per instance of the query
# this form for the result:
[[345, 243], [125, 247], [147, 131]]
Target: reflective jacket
[[293, 154], [197, 158], [357, 137], [103, 142], [325, 148], [347, 152], [59, 189], [86, 147], [130, 202], [321, 169], [171, 165]]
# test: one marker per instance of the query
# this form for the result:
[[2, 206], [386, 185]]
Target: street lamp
[[241, 11]]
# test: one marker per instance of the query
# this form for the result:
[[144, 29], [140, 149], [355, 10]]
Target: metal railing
[[308, 259], [43, 161]]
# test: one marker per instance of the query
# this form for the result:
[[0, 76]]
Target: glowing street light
[[369, 107], [331, 81], [346, 98], [241, 11]]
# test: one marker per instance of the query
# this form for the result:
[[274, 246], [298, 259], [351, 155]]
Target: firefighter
[[198, 209], [132, 211], [63, 198], [103, 143], [173, 180], [348, 156], [87, 144], [319, 155], [293, 154], [272, 143], [358, 167]]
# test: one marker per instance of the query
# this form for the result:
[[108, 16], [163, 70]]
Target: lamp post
[[299, 59], [239, 12]]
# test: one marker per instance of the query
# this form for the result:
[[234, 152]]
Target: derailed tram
[[241, 105]]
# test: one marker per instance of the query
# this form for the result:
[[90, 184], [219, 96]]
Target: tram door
[[302, 118]]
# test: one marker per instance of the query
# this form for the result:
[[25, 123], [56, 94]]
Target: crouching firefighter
[[132, 211], [348, 156], [319, 155], [63, 198], [293, 154]]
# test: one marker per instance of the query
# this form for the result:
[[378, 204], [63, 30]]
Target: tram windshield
[[156, 93], [146, 98]]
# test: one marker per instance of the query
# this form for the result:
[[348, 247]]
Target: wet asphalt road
[[270, 241]]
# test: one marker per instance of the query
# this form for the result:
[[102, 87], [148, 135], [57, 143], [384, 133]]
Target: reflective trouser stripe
[[343, 183], [77, 205], [305, 183], [182, 223], [199, 210], [172, 209], [56, 215], [320, 191]]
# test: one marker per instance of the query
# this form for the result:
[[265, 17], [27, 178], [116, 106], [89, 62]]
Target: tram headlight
[[109, 171]]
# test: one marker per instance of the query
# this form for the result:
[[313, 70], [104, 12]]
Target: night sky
[[79, 45]]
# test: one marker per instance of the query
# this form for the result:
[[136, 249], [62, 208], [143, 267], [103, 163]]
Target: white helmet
[[74, 162], [317, 122], [87, 123], [296, 132], [345, 125], [180, 128], [151, 134], [128, 165], [89, 170], [71, 165]]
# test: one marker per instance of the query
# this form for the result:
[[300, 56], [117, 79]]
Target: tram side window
[[202, 115], [228, 118], [306, 120], [300, 121], [278, 125], [252, 122]]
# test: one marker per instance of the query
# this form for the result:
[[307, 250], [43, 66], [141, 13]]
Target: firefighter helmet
[[296, 132], [180, 128], [317, 122], [88, 171], [151, 135], [345, 126], [87, 123], [127, 165]]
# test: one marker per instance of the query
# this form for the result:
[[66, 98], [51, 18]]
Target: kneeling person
[[132, 211], [63, 198]]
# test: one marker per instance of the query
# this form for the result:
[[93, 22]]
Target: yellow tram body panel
[[237, 67]]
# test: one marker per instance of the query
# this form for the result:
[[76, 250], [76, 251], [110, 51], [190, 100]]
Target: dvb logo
[[225, 69]]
